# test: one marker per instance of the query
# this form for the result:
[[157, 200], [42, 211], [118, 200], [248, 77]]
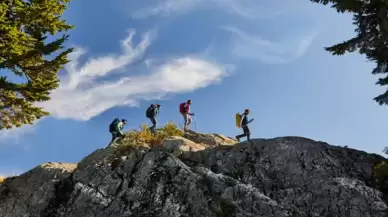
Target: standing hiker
[[242, 121], [184, 109], [115, 129], [152, 113]]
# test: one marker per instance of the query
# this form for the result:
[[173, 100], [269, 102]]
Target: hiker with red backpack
[[184, 109]]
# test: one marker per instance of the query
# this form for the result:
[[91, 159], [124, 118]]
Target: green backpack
[[150, 112], [113, 124]]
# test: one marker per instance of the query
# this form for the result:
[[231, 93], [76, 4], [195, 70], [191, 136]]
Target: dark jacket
[[244, 119], [153, 112]]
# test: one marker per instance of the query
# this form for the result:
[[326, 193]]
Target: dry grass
[[142, 137], [2, 179]]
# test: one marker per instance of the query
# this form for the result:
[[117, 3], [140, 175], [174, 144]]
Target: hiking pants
[[115, 135], [154, 122], [246, 133], [187, 119]]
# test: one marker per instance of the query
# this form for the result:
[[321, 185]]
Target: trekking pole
[[194, 123]]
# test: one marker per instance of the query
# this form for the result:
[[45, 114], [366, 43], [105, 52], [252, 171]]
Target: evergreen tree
[[26, 52], [370, 17]]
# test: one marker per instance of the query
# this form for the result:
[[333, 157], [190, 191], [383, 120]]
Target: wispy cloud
[[247, 9], [15, 135], [248, 46], [244, 8], [85, 92], [166, 8]]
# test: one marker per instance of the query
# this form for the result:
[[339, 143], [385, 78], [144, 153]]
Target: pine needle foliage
[[371, 39], [31, 55]]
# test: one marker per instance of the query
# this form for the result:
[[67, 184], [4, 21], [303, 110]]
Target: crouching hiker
[[152, 113], [242, 121], [115, 129], [184, 109]]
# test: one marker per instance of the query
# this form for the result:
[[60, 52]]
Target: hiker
[[184, 109], [244, 125], [151, 113], [115, 129]]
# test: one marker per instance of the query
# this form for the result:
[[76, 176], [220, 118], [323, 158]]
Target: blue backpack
[[113, 124]]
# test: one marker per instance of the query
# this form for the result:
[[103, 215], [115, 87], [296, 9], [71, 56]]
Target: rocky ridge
[[203, 175]]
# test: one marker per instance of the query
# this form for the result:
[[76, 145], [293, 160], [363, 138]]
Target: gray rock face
[[279, 177], [32, 192]]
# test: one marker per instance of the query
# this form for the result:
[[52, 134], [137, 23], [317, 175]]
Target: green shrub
[[380, 174], [142, 137]]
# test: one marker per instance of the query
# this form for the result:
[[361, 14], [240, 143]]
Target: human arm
[[242, 118], [187, 110], [119, 127], [251, 120], [156, 112]]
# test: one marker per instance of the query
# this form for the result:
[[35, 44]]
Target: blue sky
[[225, 55]]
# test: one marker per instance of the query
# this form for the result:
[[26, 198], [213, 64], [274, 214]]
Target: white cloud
[[97, 67], [244, 8], [87, 90], [84, 94], [250, 46], [166, 7]]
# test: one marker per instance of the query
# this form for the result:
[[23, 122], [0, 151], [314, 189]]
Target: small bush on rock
[[143, 137], [381, 176]]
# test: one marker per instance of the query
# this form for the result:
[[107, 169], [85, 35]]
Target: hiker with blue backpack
[[115, 128], [242, 121], [152, 113]]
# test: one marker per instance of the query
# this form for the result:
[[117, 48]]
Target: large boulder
[[209, 139], [281, 177], [31, 193], [179, 145]]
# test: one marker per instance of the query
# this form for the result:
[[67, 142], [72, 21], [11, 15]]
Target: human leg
[[120, 137], [154, 122], [189, 120], [114, 136], [247, 132], [185, 118]]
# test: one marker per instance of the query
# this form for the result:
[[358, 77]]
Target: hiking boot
[[238, 139]]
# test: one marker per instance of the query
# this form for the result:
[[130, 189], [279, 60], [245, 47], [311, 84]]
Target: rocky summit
[[203, 175]]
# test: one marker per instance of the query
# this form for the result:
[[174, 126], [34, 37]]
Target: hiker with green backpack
[[152, 113], [115, 128], [242, 121]]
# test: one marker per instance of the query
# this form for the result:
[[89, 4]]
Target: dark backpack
[[150, 112], [113, 124]]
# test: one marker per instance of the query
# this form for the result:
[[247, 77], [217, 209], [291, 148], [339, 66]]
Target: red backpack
[[182, 107]]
